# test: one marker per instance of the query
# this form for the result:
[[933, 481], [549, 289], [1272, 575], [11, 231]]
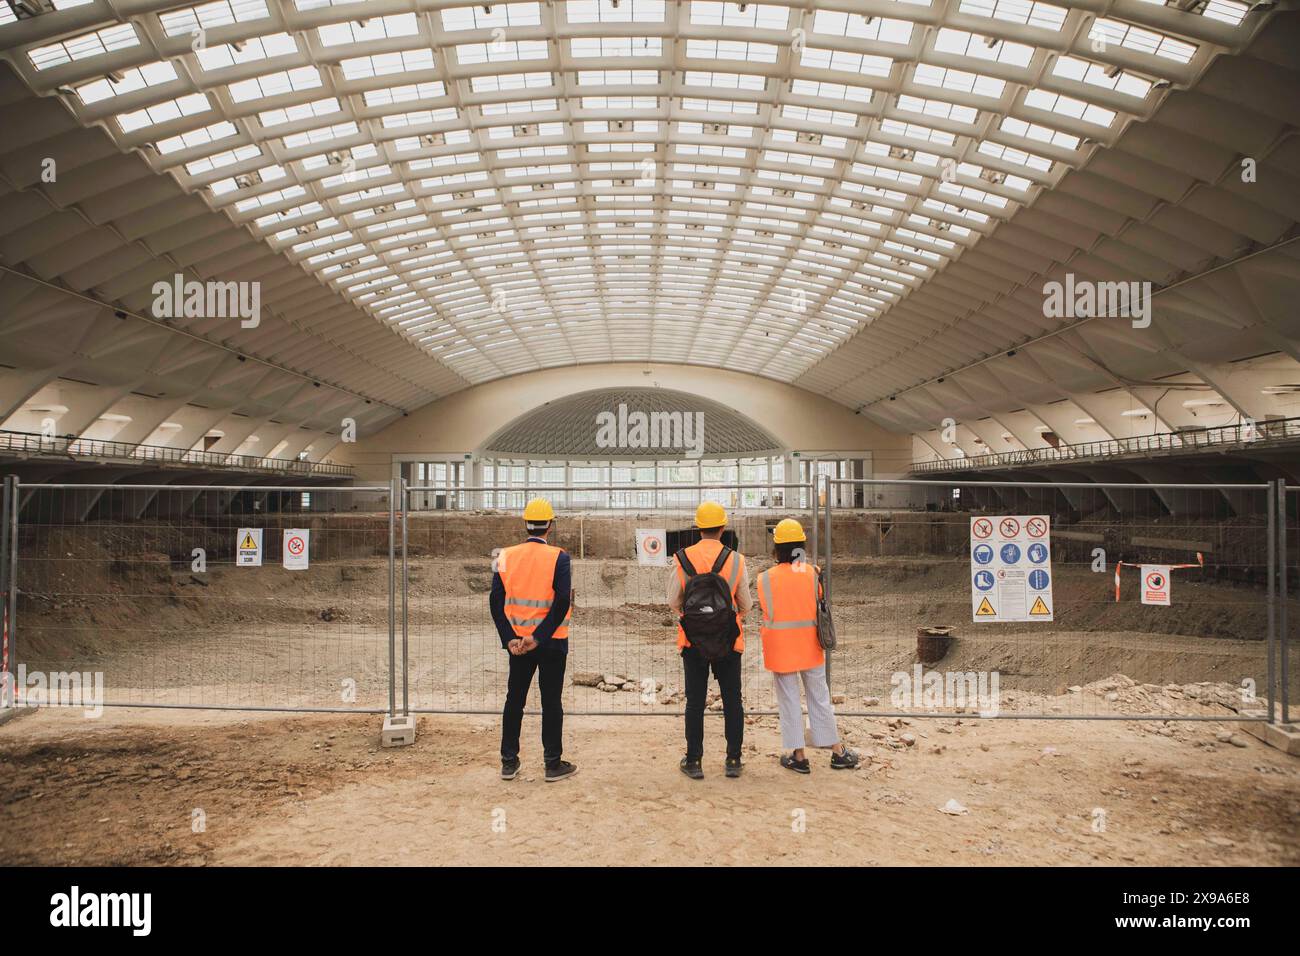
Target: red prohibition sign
[[1009, 527], [295, 545], [982, 528], [651, 545], [1156, 581], [1036, 527]]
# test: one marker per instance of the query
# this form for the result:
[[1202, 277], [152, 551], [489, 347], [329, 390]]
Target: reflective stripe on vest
[[769, 609], [528, 573]]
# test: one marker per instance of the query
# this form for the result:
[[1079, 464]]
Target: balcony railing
[[1222, 438], [30, 444]]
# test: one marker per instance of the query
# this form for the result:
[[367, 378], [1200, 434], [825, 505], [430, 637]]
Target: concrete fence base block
[[398, 731], [1283, 737]]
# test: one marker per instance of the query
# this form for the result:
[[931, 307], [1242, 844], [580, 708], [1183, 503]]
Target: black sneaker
[[845, 761], [509, 768], [798, 766], [559, 770], [733, 767], [691, 768]]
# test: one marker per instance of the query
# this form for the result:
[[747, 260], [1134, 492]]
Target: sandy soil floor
[[126, 788]]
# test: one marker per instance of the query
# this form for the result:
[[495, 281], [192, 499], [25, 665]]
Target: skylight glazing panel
[[490, 16], [1106, 77], [585, 47], [375, 28], [602, 11], [275, 84], [961, 43], [842, 61], [128, 81], [164, 112], [100, 42], [760, 16], [248, 51], [1044, 16], [1130, 37], [840, 24], [209, 15]]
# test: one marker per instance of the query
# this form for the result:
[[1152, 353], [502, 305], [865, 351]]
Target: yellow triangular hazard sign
[[248, 544], [985, 609], [1040, 607]]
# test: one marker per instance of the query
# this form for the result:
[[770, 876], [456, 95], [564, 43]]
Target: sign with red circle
[[651, 547], [1009, 527], [1037, 527], [981, 527], [296, 548], [1155, 584]]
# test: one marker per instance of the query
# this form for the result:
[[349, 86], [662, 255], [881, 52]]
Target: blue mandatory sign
[[1010, 553], [984, 580], [982, 554], [1039, 579], [1037, 553]]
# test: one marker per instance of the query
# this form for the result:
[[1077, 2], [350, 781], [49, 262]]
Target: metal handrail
[[21, 442], [1267, 432]]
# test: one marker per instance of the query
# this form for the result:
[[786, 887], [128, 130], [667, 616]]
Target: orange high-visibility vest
[[528, 572], [787, 597], [702, 554]]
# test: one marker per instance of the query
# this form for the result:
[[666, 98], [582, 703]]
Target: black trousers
[[549, 665], [727, 672]]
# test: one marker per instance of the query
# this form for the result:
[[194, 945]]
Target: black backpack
[[708, 614]]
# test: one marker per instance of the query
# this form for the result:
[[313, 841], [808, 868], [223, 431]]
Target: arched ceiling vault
[[685, 425], [860, 198]]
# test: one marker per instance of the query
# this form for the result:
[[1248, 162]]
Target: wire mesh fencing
[[201, 596], [355, 599], [1054, 599], [623, 655]]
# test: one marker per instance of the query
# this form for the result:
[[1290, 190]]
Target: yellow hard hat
[[710, 514], [788, 530], [538, 510]]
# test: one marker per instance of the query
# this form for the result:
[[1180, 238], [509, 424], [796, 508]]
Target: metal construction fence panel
[[1152, 600], [180, 596], [141, 591], [1288, 610], [623, 656]]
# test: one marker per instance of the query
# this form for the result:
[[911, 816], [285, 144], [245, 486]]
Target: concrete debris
[[953, 808]]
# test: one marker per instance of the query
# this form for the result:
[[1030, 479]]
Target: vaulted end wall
[[461, 423]]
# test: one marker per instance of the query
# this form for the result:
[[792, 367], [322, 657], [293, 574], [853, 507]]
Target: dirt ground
[[124, 789], [271, 637]]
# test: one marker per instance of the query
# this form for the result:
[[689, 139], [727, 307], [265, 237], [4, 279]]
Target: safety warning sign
[[652, 547], [297, 548], [248, 548], [1011, 568], [1155, 584]]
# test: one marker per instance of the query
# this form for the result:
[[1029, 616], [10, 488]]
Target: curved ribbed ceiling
[[791, 190]]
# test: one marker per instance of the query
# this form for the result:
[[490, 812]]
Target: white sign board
[[1155, 584], [1010, 568], [248, 548], [652, 547], [296, 548]]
